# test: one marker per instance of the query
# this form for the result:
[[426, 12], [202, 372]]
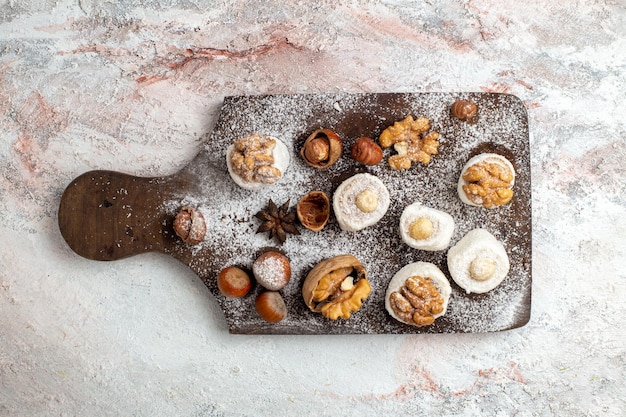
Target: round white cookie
[[281, 161], [426, 228], [360, 201], [422, 269], [483, 157], [478, 262]]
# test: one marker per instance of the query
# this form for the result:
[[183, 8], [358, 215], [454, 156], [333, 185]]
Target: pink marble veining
[[136, 87]]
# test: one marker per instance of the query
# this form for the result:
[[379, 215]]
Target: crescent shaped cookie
[[418, 294], [486, 180], [478, 262], [426, 228], [256, 161], [360, 201]]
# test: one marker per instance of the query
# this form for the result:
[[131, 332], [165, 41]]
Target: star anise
[[277, 220]]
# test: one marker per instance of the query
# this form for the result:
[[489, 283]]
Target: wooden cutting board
[[105, 215]]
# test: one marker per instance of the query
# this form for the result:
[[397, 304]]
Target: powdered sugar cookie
[[256, 161], [486, 180], [426, 228], [418, 294], [360, 201], [478, 262]]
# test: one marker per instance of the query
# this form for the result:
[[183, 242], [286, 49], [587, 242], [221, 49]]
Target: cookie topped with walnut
[[487, 180], [255, 161]]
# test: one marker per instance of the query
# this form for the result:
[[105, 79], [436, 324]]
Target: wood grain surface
[[105, 215]]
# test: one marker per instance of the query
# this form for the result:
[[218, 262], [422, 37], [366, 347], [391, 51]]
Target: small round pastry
[[478, 262], [360, 201], [272, 270], [234, 282], [271, 306], [426, 228], [256, 161], [418, 294], [486, 181]]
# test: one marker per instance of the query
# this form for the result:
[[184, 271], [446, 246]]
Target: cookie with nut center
[[478, 263], [418, 294], [486, 180], [360, 201], [426, 228], [256, 161]]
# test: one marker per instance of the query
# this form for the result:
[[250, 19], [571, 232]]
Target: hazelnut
[[189, 225], [464, 110], [421, 228], [481, 269], [366, 151], [317, 150], [322, 148], [367, 201], [234, 282], [270, 306], [272, 270]]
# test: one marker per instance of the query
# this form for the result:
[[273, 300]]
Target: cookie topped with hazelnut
[[478, 263], [360, 201], [426, 228], [255, 161]]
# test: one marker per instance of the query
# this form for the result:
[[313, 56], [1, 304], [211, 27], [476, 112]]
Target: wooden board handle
[[106, 215]]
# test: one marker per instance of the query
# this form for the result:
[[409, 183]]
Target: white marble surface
[[135, 86]]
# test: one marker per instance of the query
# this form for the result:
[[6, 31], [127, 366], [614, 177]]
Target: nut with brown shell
[[189, 225], [336, 287], [464, 110], [366, 151], [322, 148], [314, 210]]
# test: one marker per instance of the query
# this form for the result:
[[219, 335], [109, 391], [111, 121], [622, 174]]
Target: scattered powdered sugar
[[231, 226], [270, 272]]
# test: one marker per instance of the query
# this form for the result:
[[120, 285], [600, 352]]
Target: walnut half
[[411, 140], [336, 287]]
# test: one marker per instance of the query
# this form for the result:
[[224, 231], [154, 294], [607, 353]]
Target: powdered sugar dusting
[[271, 272], [501, 127]]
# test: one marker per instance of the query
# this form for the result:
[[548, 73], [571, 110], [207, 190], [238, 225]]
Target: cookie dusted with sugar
[[486, 181], [418, 294], [478, 263], [426, 228], [360, 201], [256, 161]]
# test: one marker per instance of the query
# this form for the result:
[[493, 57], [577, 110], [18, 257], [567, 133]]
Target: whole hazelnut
[[234, 282], [272, 270], [464, 110], [366, 151], [366, 201], [189, 225], [422, 228], [270, 306], [322, 148], [317, 150]]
